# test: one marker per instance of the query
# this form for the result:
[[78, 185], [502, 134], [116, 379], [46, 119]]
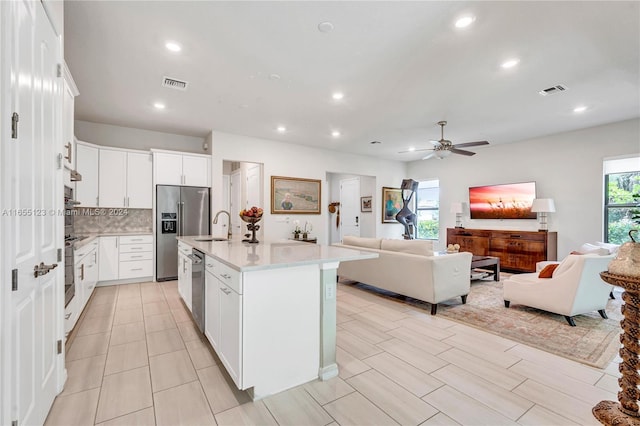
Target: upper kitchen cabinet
[[176, 168], [87, 165], [70, 92], [125, 179]]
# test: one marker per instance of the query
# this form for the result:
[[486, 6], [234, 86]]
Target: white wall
[[128, 137], [567, 167], [284, 159]]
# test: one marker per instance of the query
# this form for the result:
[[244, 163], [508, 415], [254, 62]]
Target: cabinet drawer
[[125, 257], [520, 246], [136, 269], [136, 239], [184, 249], [133, 248], [224, 273], [515, 235], [85, 249]]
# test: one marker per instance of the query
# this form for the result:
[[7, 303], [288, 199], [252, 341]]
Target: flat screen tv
[[506, 201]]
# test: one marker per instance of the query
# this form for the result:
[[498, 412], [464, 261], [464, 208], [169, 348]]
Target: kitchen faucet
[[215, 220]]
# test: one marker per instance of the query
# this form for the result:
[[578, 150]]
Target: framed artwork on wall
[[365, 204], [391, 204], [295, 195]]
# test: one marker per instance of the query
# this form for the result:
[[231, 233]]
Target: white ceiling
[[402, 66]]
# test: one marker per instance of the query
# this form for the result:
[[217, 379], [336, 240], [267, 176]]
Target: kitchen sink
[[210, 239]]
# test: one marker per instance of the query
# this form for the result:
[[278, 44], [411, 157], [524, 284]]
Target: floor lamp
[[543, 206]]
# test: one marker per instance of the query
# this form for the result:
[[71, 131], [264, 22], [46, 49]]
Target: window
[[428, 210], [622, 181]]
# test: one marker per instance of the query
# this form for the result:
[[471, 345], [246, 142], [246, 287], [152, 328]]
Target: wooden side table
[[626, 411]]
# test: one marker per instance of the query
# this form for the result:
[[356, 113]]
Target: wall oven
[[69, 239]]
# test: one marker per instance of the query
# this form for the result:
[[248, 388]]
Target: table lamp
[[543, 206], [457, 209]]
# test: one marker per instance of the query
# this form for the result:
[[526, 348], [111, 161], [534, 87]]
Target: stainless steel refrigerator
[[180, 210]]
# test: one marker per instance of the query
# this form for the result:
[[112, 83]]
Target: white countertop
[[273, 254]]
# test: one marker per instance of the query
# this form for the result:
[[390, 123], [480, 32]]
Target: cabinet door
[[168, 168], [196, 171], [112, 181], [91, 273], [187, 281], [87, 166], [231, 332], [67, 127], [181, 272], [139, 181], [108, 259], [212, 309]]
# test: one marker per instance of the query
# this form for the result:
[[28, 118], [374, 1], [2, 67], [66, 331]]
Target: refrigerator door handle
[[179, 219], [182, 218]]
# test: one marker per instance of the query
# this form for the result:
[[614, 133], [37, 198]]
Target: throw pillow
[[547, 271], [419, 247], [587, 248], [613, 248]]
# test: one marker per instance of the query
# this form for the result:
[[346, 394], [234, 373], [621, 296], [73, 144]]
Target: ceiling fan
[[443, 148]]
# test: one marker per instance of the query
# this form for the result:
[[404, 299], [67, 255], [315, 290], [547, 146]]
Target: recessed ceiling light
[[337, 96], [335, 134], [375, 142], [325, 27], [510, 63], [465, 21], [159, 105], [281, 129], [580, 108], [173, 46], [274, 77], [411, 149]]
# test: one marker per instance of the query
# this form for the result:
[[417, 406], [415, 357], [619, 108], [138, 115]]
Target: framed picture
[[391, 204], [365, 204], [295, 195]]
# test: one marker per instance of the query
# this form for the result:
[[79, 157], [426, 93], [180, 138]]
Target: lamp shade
[[456, 208], [543, 205]]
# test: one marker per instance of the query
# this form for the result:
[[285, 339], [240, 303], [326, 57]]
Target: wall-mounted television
[[505, 201]]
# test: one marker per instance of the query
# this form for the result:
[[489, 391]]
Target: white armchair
[[575, 287]]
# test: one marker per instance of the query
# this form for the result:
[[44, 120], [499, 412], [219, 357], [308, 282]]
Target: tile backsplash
[[98, 220]]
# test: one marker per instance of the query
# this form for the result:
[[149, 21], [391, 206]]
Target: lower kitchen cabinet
[[85, 280], [109, 259], [126, 257], [184, 273]]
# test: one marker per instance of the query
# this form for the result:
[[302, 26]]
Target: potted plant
[[296, 230], [307, 228]]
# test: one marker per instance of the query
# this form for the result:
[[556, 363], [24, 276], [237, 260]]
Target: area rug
[[593, 341]]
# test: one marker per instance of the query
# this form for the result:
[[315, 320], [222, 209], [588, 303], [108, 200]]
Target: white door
[[87, 165], [254, 186], [212, 311], [109, 259], [139, 181], [112, 178], [235, 196], [349, 207], [231, 331], [36, 308]]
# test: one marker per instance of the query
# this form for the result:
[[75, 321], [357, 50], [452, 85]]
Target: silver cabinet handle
[[68, 156], [82, 272], [225, 276], [136, 269], [68, 315], [210, 265], [225, 290], [135, 257]]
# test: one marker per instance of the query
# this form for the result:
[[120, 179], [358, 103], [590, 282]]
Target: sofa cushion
[[547, 271], [372, 243], [587, 248], [613, 248], [420, 247]]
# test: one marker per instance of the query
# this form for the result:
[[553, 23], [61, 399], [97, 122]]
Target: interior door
[[235, 191], [349, 207], [254, 186], [37, 306]]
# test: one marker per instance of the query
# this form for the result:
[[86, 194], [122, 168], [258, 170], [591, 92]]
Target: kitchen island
[[270, 310]]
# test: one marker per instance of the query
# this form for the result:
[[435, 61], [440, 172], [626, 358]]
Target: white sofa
[[410, 268], [574, 288]]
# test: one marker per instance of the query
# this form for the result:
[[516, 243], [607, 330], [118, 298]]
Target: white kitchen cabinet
[[86, 272], [184, 273], [196, 171], [109, 258], [87, 165], [139, 180], [70, 91], [112, 178], [71, 314], [91, 273], [231, 332], [135, 256], [212, 308], [181, 169]]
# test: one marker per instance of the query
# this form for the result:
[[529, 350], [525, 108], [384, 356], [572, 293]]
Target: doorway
[[366, 219], [243, 184]]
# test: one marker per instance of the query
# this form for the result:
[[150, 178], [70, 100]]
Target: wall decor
[[391, 204], [295, 195], [365, 203]]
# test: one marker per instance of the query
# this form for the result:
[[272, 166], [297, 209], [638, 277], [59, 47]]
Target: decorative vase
[[304, 236], [296, 236]]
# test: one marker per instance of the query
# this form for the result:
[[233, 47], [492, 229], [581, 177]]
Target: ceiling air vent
[[553, 90], [173, 83]]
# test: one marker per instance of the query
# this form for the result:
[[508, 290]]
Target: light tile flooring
[[137, 359]]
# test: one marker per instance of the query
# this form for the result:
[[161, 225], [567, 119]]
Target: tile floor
[[137, 359]]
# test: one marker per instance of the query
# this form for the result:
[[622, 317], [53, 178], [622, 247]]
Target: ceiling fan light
[[442, 154]]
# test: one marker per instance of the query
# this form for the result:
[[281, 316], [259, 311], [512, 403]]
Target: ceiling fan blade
[[435, 143], [466, 144], [415, 150], [429, 156], [462, 151]]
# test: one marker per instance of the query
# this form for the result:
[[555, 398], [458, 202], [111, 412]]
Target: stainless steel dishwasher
[[197, 288]]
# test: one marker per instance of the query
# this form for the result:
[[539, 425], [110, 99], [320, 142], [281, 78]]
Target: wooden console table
[[517, 250], [625, 412]]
